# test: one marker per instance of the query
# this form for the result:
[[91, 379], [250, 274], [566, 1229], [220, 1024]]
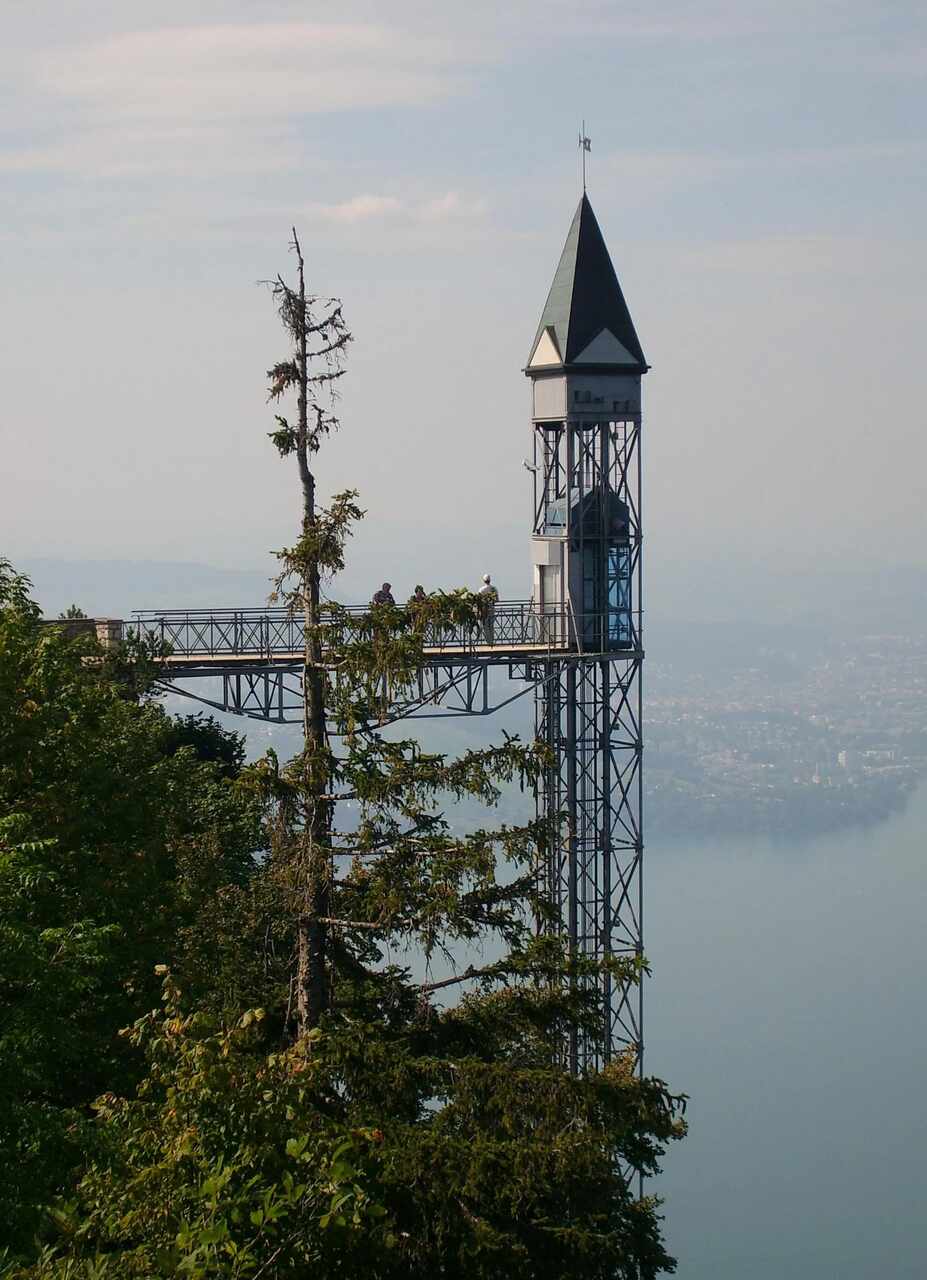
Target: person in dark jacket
[[384, 595]]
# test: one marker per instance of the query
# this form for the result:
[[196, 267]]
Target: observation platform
[[224, 640], [227, 638]]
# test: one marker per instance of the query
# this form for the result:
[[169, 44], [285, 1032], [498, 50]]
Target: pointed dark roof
[[584, 299]]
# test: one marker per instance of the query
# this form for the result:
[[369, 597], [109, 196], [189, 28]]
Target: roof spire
[[586, 323]]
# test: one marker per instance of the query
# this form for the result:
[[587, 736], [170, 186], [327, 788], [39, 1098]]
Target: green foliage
[[221, 1165], [205, 736], [319, 335], [16, 593], [113, 841], [320, 548], [431, 1143], [131, 667], [284, 438]]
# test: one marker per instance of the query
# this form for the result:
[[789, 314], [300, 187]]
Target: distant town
[[791, 743], [791, 746]]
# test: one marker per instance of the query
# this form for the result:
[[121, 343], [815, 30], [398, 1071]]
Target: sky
[[758, 172]]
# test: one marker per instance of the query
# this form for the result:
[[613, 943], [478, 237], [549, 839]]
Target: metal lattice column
[[589, 716]]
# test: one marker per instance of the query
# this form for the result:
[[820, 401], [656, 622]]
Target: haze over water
[[788, 1002]]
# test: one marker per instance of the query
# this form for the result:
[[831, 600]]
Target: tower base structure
[[588, 715]]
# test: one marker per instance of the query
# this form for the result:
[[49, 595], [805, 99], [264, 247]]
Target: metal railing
[[264, 634]]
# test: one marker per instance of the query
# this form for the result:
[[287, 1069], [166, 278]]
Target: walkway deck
[[233, 639]]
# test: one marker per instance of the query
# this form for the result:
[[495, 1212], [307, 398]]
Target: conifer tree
[[319, 338], [377, 878]]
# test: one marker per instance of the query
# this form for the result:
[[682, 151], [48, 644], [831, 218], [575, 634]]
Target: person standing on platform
[[416, 609], [414, 605], [488, 596], [384, 595]]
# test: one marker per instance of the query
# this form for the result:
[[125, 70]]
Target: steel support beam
[[588, 715]]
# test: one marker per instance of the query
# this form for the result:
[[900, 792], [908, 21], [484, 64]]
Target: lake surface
[[788, 1000]]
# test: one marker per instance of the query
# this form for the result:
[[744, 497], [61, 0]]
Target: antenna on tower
[[585, 144]]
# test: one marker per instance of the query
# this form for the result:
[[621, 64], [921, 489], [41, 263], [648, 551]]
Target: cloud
[[250, 69], [359, 208], [364, 208], [121, 151], [451, 206], [218, 98]]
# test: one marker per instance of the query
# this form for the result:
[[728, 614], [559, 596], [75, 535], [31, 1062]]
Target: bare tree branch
[[492, 970]]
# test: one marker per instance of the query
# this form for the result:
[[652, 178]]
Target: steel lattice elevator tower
[[585, 367]]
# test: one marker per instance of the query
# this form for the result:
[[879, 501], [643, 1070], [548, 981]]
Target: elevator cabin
[[586, 542]]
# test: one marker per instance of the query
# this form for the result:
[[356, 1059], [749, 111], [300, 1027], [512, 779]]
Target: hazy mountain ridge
[[689, 606]]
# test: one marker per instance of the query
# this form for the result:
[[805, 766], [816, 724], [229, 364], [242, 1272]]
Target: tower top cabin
[[586, 360], [585, 367]]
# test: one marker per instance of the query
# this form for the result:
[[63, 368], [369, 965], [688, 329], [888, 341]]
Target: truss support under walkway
[[588, 713]]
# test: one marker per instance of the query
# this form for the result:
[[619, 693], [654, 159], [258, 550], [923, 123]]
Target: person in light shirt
[[488, 597]]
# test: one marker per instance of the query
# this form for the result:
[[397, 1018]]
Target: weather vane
[[585, 144]]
